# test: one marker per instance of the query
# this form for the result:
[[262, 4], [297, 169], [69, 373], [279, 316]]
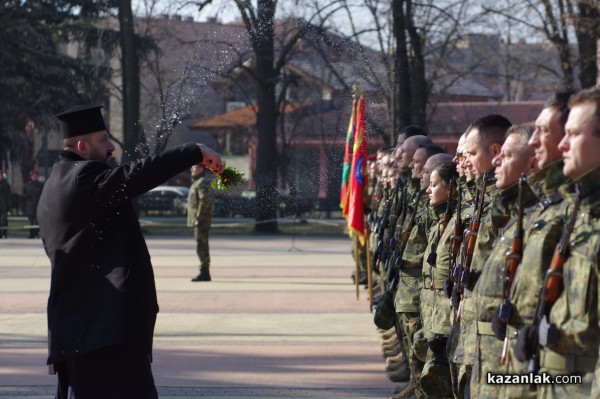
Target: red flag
[[358, 175], [347, 162]]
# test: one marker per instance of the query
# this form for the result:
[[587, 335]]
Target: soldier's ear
[[532, 167], [495, 149]]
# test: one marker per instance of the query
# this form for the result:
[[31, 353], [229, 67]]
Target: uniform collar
[[437, 211], [589, 185], [545, 182], [508, 197]]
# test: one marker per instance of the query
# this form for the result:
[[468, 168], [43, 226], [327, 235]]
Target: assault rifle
[[448, 213], [404, 239], [378, 254], [456, 238], [551, 289], [471, 238], [401, 208], [512, 261]]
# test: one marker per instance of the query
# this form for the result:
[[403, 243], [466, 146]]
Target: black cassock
[[102, 295]]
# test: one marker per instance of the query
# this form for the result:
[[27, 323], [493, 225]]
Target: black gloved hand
[[547, 333], [455, 298], [448, 285], [523, 349], [438, 346], [498, 325]]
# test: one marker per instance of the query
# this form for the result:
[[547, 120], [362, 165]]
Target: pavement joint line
[[43, 391], [228, 345]]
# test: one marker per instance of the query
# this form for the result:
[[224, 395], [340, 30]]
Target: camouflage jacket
[[404, 186], [409, 287], [436, 213], [575, 312], [542, 227], [486, 236], [200, 200], [444, 248], [488, 291]]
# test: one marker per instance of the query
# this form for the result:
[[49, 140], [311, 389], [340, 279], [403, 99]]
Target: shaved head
[[409, 147], [430, 165]]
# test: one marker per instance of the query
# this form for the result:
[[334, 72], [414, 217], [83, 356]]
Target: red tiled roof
[[240, 118], [454, 118]]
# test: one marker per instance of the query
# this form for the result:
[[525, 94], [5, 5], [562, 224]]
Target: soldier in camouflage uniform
[[483, 143], [436, 211], [573, 348], [5, 201], [515, 158], [200, 209], [442, 313], [435, 378], [542, 228], [405, 188], [410, 273]]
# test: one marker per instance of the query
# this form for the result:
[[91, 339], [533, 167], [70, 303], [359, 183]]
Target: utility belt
[[435, 284], [571, 363], [484, 328], [411, 272]]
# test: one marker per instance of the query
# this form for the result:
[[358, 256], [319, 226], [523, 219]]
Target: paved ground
[[280, 319]]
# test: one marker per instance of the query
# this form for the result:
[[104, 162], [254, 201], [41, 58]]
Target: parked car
[[164, 200], [245, 204]]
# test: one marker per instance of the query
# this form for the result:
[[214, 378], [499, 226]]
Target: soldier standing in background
[[515, 158], [31, 194], [542, 229], [200, 210], [5, 201]]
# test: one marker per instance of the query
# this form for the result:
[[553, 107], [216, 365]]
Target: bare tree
[[567, 24], [131, 80], [267, 70], [411, 65]]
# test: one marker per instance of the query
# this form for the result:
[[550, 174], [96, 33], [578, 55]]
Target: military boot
[[407, 393], [204, 274]]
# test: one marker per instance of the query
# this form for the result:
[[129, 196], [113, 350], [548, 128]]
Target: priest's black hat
[[81, 119]]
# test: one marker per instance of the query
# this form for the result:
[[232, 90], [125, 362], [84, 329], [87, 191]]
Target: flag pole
[[356, 271], [369, 266]]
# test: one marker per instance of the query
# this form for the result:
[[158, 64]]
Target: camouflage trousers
[[460, 374], [566, 391], [435, 377], [489, 354], [201, 235], [411, 323], [515, 391]]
